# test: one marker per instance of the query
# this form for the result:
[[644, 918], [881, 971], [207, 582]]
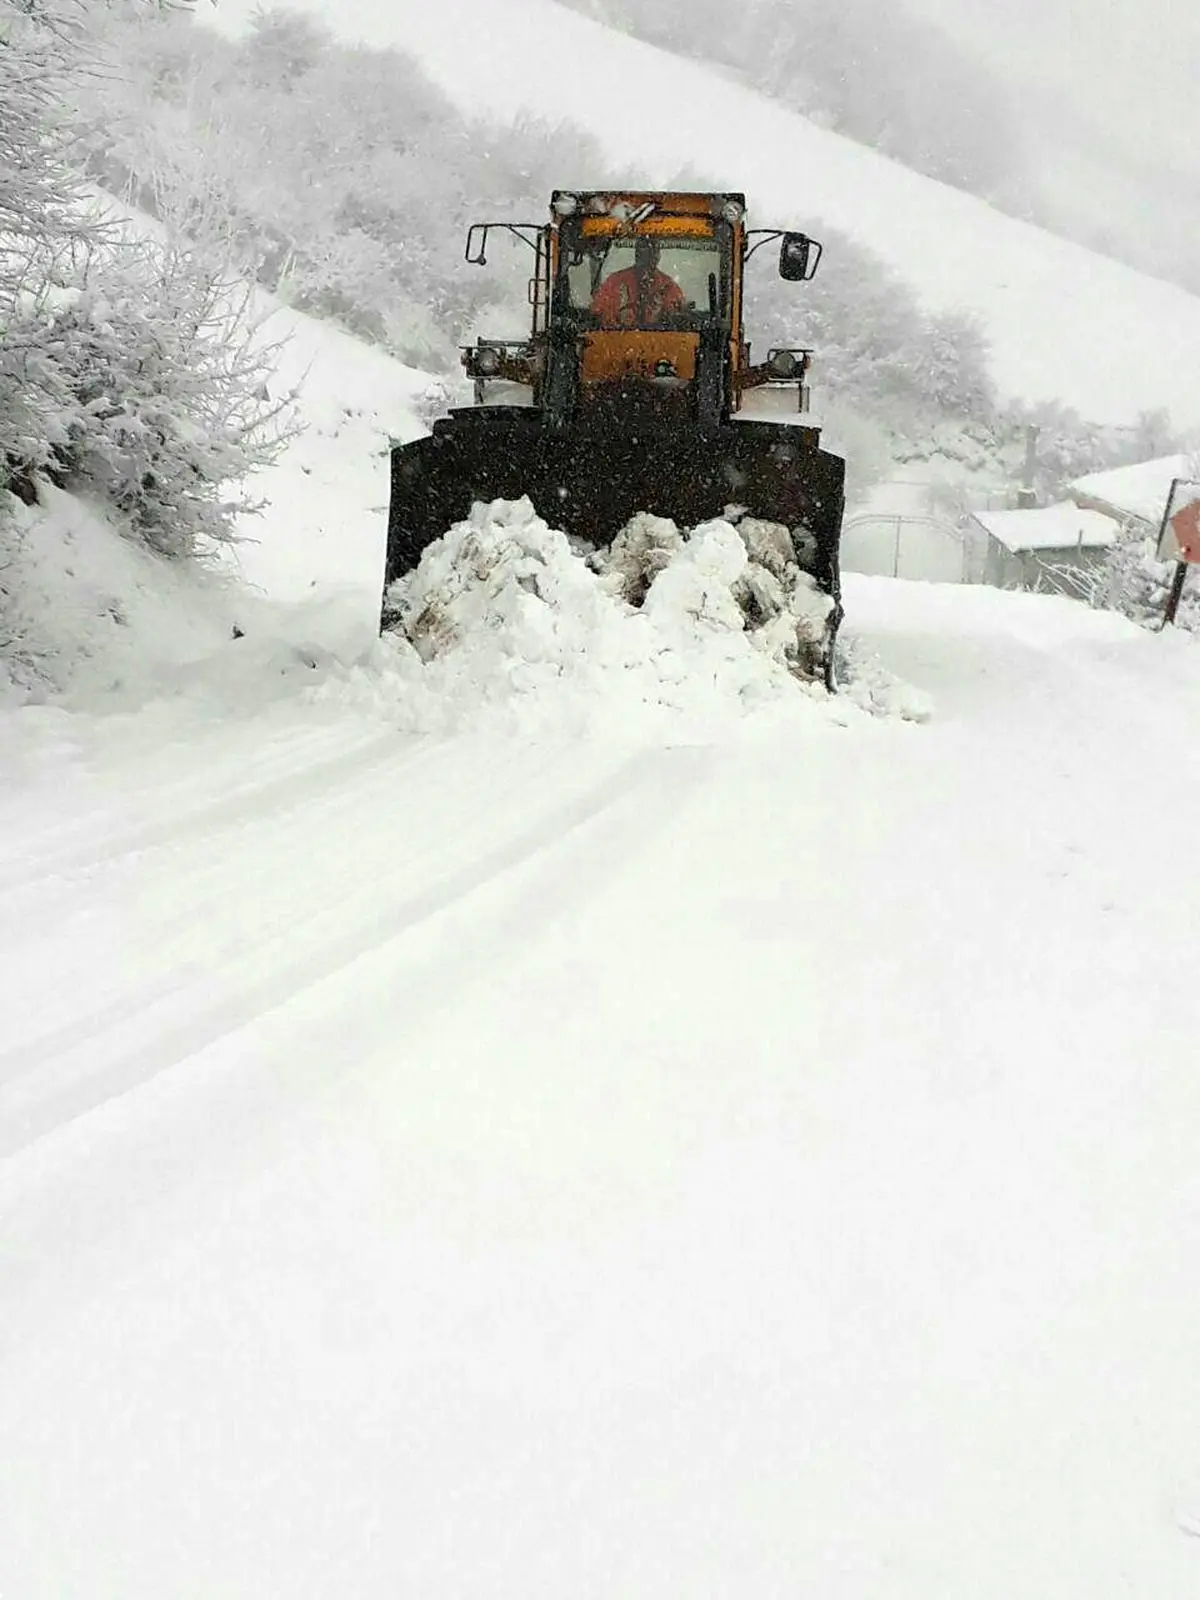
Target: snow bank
[[87, 611], [668, 633], [94, 621]]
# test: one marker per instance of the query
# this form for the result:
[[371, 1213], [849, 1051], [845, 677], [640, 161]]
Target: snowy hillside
[[326, 514], [1064, 323]]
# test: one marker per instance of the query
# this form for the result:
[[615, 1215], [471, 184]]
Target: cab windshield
[[644, 281]]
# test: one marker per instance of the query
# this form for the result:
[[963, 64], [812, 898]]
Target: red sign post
[[1179, 537]]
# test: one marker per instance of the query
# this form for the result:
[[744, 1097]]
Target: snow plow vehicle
[[635, 392]]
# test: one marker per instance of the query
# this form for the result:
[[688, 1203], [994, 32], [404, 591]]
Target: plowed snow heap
[[509, 622], [634, 400], [503, 568]]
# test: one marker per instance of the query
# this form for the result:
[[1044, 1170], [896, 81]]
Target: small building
[[1049, 548]]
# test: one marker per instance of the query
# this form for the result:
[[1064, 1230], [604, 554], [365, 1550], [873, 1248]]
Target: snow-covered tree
[[41, 214], [152, 388], [129, 370], [951, 367], [284, 47], [344, 178], [44, 222]]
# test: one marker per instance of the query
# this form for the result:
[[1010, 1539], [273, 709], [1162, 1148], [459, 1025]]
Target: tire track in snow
[[232, 751], [155, 926], [127, 1179], [298, 778], [205, 860], [61, 1076]]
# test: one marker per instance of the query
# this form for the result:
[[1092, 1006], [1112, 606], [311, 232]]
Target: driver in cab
[[639, 296]]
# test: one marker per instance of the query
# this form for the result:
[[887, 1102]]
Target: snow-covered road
[[494, 1166]]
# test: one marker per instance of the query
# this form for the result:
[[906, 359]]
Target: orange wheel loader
[[635, 391]]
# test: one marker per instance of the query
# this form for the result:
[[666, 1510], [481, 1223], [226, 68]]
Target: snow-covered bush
[[144, 382], [130, 371], [341, 177], [1136, 583]]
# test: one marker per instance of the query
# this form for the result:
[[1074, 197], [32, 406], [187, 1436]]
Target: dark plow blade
[[590, 483]]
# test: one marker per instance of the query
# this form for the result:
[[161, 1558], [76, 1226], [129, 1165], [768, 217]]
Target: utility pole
[[1026, 495]]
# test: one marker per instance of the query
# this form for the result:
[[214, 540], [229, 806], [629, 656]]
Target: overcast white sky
[[1129, 66]]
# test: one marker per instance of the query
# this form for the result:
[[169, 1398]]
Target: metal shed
[[1051, 548]]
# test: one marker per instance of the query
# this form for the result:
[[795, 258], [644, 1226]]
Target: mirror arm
[[527, 232], [762, 236]]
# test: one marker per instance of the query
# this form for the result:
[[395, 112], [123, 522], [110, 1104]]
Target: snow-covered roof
[[1138, 491], [1058, 527]]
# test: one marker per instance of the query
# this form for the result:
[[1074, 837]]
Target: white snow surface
[[1063, 322], [93, 611], [1140, 490], [598, 1143], [1058, 527]]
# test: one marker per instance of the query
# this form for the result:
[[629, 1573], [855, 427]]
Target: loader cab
[[637, 314], [644, 295], [663, 279]]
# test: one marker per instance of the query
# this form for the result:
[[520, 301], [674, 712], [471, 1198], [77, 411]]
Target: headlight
[[732, 211], [784, 364], [565, 205], [487, 361]]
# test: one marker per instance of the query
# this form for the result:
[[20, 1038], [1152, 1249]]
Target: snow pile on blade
[[666, 631]]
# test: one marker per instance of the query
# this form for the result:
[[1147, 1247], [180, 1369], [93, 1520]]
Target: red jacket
[[616, 300]]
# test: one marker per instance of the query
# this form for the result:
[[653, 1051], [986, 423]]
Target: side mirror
[[798, 257]]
